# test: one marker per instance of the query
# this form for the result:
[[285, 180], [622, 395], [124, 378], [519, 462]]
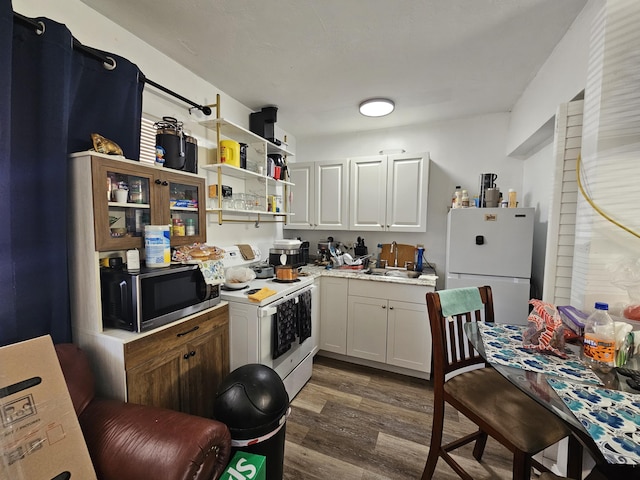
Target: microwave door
[[124, 300], [118, 303]]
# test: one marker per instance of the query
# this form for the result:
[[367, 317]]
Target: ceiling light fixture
[[377, 107]]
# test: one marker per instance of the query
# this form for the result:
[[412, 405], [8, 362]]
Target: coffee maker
[[487, 181], [324, 251], [263, 123]]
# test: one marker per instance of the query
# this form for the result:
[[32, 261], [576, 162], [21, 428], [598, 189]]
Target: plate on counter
[[236, 285]]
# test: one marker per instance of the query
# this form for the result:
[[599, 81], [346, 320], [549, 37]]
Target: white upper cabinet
[[389, 193], [320, 196], [302, 199], [332, 195]]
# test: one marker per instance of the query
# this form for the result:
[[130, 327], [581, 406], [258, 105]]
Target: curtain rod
[[111, 64]]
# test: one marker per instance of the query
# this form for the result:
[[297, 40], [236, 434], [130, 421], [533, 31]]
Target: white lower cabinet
[[333, 314], [367, 328], [379, 322], [408, 336]]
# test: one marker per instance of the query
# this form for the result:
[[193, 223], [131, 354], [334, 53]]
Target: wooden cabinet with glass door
[[127, 196]]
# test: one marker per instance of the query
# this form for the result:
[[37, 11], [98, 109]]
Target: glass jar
[[178, 228], [190, 227]]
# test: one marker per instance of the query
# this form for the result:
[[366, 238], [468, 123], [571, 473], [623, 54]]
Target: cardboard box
[[40, 437], [192, 203], [246, 466]]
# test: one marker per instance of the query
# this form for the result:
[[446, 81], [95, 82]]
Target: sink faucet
[[394, 249]]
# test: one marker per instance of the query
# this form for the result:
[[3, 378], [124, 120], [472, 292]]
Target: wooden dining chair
[[497, 407]]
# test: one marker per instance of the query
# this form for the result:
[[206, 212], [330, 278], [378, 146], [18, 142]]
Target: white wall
[[605, 64], [460, 150], [537, 190], [606, 253], [94, 30], [559, 80]]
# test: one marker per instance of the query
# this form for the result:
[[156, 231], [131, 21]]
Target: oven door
[[251, 333], [273, 326]]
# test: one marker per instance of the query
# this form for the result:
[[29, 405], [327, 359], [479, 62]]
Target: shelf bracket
[[216, 105]]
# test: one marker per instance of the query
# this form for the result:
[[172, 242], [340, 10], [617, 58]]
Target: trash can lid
[[252, 401]]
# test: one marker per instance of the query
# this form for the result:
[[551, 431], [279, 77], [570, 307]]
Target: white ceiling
[[317, 60]]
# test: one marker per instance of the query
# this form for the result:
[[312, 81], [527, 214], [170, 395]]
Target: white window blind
[[147, 141], [562, 214]]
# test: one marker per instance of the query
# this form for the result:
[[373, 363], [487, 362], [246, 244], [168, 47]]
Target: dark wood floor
[[355, 423]]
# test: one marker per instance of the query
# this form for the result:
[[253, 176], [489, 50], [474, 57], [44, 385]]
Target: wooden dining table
[[536, 385]]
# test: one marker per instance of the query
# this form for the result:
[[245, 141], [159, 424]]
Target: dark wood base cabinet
[[180, 367]]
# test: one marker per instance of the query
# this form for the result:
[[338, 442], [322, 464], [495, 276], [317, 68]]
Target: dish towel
[[212, 271], [285, 327], [460, 300], [304, 316], [261, 294]]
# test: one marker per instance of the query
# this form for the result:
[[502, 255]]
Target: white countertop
[[427, 279]]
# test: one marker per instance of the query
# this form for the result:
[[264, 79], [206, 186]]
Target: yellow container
[[230, 152]]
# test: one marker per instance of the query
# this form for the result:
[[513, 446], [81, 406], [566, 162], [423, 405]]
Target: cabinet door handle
[[390, 308], [165, 183], [384, 306], [192, 353], [186, 356], [182, 334], [158, 182]]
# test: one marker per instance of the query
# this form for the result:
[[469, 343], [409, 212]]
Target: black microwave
[[148, 298]]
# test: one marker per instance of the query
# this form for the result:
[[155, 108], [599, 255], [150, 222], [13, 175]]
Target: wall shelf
[[250, 180], [231, 171], [242, 135]]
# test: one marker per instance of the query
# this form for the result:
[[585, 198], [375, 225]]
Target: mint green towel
[[460, 300]]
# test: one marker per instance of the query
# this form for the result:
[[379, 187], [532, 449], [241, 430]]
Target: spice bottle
[[456, 199], [465, 199], [191, 228], [178, 229], [599, 342]]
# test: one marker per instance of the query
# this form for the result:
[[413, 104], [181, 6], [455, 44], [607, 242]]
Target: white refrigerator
[[492, 246]]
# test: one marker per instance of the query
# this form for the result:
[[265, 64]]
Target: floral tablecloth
[[611, 417], [503, 345]]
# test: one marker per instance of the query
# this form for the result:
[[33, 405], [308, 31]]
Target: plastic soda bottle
[[599, 345]]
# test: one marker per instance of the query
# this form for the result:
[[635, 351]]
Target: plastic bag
[[239, 275], [625, 274], [545, 332]]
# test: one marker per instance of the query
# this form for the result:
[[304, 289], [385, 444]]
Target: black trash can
[[253, 402]]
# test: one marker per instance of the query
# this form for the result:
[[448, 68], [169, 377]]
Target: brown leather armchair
[[131, 442]]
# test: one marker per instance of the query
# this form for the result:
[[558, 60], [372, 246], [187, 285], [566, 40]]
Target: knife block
[[360, 251]]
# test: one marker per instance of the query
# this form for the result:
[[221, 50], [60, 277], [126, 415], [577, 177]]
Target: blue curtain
[[52, 97]]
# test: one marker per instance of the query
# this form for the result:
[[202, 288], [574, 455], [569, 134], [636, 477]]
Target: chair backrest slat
[[451, 348]]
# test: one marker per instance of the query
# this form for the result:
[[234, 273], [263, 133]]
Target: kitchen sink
[[394, 273]]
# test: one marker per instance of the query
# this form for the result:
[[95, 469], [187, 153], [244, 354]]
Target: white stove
[[254, 326]]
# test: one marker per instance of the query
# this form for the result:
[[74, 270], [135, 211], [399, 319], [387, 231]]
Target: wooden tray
[[406, 253]]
